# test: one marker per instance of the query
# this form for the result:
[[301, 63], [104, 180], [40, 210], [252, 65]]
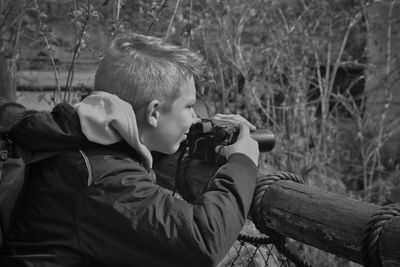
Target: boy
[[96, 202]]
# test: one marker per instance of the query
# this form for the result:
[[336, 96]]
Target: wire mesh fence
[[257, 253], [254, 249]]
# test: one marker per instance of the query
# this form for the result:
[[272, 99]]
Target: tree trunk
[[8, 84], [382, 87]]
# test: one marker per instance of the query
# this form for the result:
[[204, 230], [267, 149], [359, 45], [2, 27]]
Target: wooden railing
[[358, 231]]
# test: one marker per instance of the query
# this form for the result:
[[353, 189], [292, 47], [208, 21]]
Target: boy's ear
[[152, 113]]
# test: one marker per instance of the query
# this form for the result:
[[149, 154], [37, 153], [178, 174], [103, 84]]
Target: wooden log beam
[[327, 221]]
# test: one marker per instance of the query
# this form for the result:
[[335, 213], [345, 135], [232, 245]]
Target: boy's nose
[[196, 119]]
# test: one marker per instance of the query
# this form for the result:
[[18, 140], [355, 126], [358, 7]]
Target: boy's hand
[[244, 144], [235, 118]]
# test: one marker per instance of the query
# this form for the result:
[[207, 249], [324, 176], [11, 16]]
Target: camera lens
[[265, 139]]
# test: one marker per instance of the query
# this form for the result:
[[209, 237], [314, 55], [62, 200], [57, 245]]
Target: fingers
[[235, 118], [219, 150], [244, 145], [244, 131]]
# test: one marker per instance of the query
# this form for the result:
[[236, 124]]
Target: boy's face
[[174, 123]]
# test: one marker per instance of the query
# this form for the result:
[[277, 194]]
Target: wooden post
[[8, 84], [389, 245]]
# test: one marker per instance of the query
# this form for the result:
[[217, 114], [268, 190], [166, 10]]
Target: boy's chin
[[174, 150], [171, 150]]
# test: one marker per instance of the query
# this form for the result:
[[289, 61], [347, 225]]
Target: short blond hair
[[141, 68]]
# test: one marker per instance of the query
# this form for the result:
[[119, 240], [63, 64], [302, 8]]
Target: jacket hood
[[106, 119], [100, 118]]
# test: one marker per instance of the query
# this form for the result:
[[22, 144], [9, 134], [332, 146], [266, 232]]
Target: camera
[[206, 135]]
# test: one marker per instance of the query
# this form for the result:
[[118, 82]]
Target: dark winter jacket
[[96, 205]]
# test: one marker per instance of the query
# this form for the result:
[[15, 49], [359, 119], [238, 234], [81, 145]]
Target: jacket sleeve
[[147, 217]]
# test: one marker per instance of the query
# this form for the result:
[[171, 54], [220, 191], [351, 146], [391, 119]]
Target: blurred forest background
[[323, 75]]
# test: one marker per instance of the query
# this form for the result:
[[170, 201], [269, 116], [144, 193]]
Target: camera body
[[206, 135]]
